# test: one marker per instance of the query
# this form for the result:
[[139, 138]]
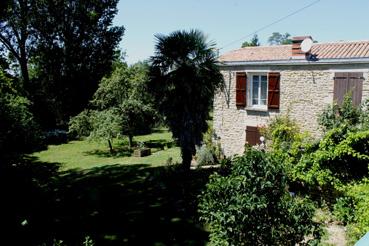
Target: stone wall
[[304, 93]]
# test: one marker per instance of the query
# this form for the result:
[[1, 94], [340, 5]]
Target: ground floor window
[[252, 135]]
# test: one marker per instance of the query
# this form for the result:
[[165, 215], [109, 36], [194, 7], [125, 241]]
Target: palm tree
[[184, 76]]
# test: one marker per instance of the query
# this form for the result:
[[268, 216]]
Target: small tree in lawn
[[121, 105], [183, 78], [126, 92]]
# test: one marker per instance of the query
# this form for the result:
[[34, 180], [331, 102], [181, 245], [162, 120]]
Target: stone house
[[262, 82]]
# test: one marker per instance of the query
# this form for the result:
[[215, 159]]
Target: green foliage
[[80, 125], [250, 205], [183, 78], [105, 125], [336, 161], [122, 106], [340, 156], [18, 131], [282, 131], [62, 49], [253, 42], [343, 209], [352, 209], [345, 114], [277, 38], [204, 156], [210, 152]]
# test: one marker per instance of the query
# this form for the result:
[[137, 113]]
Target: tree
[[120, 106], [68, 44], [16, 34], [277, 38], [18, 131], [183, 79], [253, 42], [76, 51]]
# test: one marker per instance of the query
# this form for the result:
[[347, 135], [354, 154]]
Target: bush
[[282, 132], [250, 205], [19, 133], [210, 152], [345, 114], [204, 156], [341, 158], [56, 136], [353, 210]]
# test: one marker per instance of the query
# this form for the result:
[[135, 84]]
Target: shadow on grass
[[159, 144], [124, 151], [117, 153], [113, 205]]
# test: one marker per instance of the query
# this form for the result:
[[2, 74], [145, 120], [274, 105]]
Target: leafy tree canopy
[[183, 79], [120, 106], [253, 42], [68, 46], [277, 38]]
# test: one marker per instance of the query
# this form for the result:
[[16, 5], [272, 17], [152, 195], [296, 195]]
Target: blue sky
[[224, 21]]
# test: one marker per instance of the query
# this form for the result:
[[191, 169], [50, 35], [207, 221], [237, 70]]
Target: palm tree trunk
[[186, 158]]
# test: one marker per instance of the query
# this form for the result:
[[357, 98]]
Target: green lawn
[[87, 154]]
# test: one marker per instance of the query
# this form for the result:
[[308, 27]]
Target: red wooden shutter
[[273, 90], [345, 83], [252, 135], [241, 81]]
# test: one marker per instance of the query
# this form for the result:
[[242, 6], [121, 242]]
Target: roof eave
[[295, 62]]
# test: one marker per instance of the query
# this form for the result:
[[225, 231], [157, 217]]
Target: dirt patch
[[336, 235]]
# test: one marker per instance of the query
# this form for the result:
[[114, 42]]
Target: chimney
[[297, 53]]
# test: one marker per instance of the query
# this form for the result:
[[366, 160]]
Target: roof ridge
[[261, 46], [343, 42]]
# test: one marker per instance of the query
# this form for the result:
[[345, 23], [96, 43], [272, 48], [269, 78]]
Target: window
[[258, 90], [252, 135], [345, 83]]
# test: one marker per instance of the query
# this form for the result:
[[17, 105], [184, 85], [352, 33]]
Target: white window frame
[[249, 90]]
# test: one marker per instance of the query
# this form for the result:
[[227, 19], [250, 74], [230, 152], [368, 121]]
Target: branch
[[9, 46]]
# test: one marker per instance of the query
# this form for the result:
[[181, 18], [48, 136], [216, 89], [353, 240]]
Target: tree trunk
[[24, 71], [186, 158], [130, 141], [110, 146]]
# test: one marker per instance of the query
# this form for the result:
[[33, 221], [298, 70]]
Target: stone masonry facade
[[305, 90]]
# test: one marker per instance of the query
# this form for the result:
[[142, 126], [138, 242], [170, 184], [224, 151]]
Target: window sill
[[257, 109]]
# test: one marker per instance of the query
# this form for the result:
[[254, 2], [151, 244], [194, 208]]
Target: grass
[[113, 205], [78, 190], [87, 154]]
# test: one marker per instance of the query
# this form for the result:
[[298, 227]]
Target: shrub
[[250, 205], [210, 152], [19, 132], [282, 132], [56, 136], [336, 115], [353, 210], [204, 155]]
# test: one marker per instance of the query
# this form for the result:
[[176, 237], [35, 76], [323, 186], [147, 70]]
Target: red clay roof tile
[[338, 50]]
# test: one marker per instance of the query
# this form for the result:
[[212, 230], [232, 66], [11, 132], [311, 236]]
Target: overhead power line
[[271, 24]]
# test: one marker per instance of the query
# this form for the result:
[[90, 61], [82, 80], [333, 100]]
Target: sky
[[225, 21]]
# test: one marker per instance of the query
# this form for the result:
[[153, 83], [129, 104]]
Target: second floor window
[[258, 90]]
